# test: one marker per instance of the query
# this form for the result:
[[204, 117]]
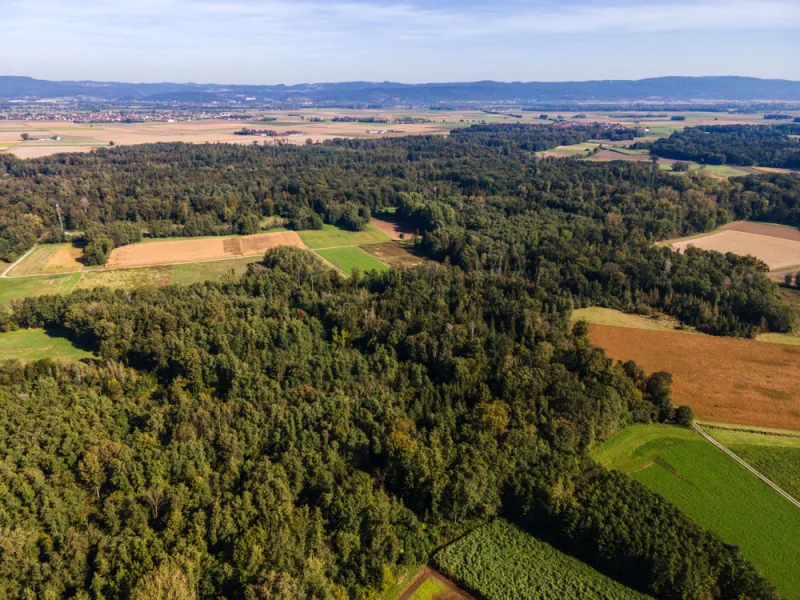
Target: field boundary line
[[735, 457], [16, 262]]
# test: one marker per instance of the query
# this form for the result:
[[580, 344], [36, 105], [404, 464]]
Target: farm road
[[16, 262], [763, 478]]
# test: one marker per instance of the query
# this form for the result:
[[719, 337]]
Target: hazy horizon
[[270, 42]]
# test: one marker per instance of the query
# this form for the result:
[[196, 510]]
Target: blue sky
[[293, 41]]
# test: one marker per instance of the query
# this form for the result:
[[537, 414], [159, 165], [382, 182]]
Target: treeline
[[296, 435], [744, 145]]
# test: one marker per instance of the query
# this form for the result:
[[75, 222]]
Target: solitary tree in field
[[25, 137]]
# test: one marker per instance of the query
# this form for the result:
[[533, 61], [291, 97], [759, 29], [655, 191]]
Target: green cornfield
[[499, 561]]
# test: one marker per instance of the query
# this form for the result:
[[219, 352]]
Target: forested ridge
[[295, 434], [744, 145], [480, 198]]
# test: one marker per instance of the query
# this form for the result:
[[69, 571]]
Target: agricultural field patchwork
[[35, 344], [499, 561], [715, 491]]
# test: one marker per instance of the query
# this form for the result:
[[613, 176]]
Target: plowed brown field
[[722, 379], [199, 250]]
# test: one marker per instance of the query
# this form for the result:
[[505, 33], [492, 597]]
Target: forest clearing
[[716, 492]]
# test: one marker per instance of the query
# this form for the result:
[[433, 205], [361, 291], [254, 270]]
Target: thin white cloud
[[402, 20]]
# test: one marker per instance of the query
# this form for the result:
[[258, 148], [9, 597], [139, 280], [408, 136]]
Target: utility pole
[[60, 220]]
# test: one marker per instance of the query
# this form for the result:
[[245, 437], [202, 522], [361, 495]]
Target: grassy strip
[[716, 492], [35, 344], [330, 237]]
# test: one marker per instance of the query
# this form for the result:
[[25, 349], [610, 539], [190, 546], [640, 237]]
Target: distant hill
[[666, 89]]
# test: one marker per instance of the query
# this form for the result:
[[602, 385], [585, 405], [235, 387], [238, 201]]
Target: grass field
[[499, 561], [776, 456], [331, 237], [49, 259], [716, 492], [35, 344], [615, 318], [352, 257], [431, 589]]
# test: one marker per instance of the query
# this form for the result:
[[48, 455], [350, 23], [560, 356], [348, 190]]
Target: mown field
[[332, 237], [776, 456], [499, 561], [35, 344], [352, 257], [716, 492]]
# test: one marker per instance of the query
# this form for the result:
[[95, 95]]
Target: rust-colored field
[[777, 252], [199, 250], [722, 379], [776, 231]]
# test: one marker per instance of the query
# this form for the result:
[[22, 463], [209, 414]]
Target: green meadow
[[35, 344], [716, 492], [352, 257]]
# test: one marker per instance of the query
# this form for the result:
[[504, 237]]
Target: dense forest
[[293, 434], [480, 199], [744, 145]]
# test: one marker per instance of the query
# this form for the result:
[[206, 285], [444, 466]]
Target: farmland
[[315, 124], [352, 257], [193, 260], [776, 456], [333, 237], [722, 379], [35, 344], [199, 250], [501, 562], [776, 245], [716, 492]]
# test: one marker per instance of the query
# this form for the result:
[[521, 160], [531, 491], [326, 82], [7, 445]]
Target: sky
[[297, 41]]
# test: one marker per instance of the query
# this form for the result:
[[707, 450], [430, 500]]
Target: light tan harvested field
[[722, 379], [778, 253], [199, 250]]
